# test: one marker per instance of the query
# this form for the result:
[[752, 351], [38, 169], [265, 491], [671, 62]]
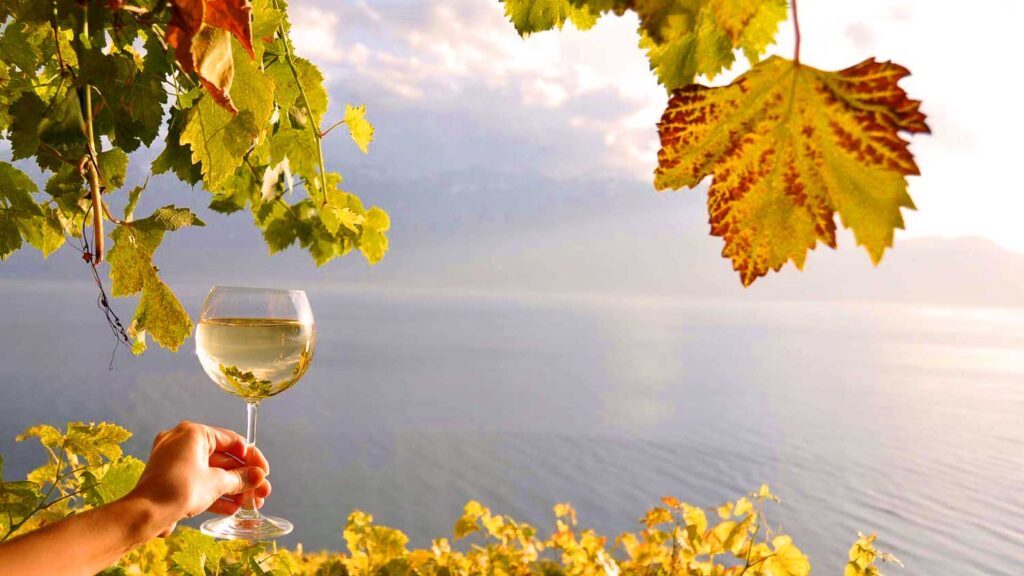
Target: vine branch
[[315, 129]]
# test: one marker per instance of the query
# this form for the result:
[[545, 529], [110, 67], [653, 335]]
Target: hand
[[195, 468]]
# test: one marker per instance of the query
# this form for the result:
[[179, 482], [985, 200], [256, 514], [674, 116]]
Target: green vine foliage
[[85, 468], [83, 83]]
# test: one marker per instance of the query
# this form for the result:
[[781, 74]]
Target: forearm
[[85, 543]]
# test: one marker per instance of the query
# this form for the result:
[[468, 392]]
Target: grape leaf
[[750, 24], [200, 33], [373, 242], [44, 232], [358, 126], [683, 38], [159, 313], [177, 157], [196, 551], [689, 38], [16, 48], [787, 559], [17, 500], [529, 16], [116, 480], [789, 146], [21, 218], [311, 81], [220, 140], [114, 167], [91, 441]]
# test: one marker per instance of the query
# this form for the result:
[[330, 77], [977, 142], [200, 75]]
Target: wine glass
[[254, 343]]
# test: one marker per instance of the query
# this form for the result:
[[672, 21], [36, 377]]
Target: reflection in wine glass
[[254, 343]]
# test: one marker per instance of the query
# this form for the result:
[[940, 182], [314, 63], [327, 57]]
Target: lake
[[902, 420]]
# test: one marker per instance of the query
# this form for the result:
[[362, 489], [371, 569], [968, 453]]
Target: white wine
[[255, 357]]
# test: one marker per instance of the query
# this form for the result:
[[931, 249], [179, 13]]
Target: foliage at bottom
[[86, 468]]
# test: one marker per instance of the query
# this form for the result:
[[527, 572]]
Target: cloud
[[432, 54], [451, 59]]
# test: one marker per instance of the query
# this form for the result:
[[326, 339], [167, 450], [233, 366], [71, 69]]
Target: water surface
[[904, 420]]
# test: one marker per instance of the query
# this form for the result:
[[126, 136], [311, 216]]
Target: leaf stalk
[[313, 127]]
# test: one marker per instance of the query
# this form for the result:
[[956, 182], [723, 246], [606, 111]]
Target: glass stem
[[248, 510]]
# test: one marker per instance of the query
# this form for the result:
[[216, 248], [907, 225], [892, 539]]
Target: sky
[[593, 89], [526, 164]]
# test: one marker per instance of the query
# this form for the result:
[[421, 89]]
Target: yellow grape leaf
[[787, 559], [743, 506], [750, 24], [529, 16], [359, 127], [788, 147]]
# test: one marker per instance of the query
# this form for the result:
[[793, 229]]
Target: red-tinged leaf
[[200, 33], [788, 147], [215, 64], [235, 16]]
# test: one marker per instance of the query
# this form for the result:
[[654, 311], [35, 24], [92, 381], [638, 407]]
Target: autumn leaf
[[788, 147], [200, 33]]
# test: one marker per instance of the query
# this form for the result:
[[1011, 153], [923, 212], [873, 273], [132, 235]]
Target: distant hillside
[[602, 236]]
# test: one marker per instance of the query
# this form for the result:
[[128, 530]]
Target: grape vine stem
[[313, 126], [796, 31]]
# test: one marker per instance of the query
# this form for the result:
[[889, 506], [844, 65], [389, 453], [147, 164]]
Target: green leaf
[[16, 189], [529, 16], [342, 210], [48, 435], [114, 481], [44, 232], [67, 188], [21, 219], [359, 127], [299, 147], [161, 315], [131, 258], [16, 49], [373, 242], [196, 552], [114, 167], [17, 500], [176, 157], [23, 135], [220, 140], [95, 441], [133, 199], [10, 236], [310, 79]]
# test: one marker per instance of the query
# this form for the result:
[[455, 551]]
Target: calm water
[[908, 421]]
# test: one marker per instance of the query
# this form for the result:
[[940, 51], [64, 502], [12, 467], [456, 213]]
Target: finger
[[224, 440], [159, 437], [263, 490], [256, 458], [225, 507], [225, 461], [258, 502], [238, 480]]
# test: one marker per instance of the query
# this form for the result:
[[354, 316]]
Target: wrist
[[142, 518]]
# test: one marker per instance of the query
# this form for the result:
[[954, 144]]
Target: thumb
[[240, 479]]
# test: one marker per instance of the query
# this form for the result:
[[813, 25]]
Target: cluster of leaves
[[86, 468], [788, 146], [83, 83]]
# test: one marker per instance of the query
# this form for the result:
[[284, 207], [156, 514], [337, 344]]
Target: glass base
[[261, 528]]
